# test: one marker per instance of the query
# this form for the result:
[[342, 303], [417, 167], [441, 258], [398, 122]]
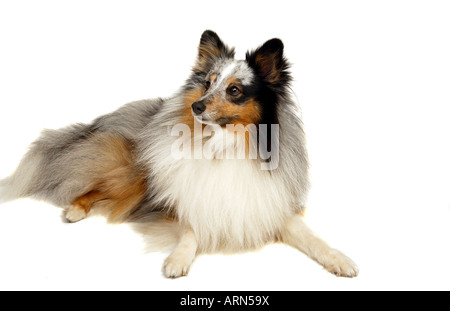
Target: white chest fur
[[228, 203]]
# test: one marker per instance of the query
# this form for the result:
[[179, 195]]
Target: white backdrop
[[373, 81]]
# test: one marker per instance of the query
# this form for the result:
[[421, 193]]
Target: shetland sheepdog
[[222, 162]]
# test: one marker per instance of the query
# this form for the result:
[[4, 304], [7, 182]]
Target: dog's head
[[223, 90]]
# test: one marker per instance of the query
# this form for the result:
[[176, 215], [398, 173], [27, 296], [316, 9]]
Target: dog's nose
[[198, 107]]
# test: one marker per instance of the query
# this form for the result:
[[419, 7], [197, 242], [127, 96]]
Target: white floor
[[373, 83], [392, 251]]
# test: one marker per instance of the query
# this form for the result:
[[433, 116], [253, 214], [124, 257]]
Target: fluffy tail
[[4, 193], [18, 185], [38, 173]]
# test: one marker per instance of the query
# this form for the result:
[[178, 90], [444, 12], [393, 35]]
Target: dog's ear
[[269, 62], [211, 49]]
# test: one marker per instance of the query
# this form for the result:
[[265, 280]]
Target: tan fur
[[213, 78], [233, 81], [224, 205], [119, 184], [242, 114], [190, 97], [245, 114]]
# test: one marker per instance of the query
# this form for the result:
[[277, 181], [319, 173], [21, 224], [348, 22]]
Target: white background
[[373, 81]]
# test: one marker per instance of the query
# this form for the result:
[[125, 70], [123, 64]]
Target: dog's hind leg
[[118, 182], [81, 207], [298, 235]]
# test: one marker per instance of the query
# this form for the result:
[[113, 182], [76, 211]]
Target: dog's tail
[[18, 185], [4, 193], [39, 172], [7, 192]]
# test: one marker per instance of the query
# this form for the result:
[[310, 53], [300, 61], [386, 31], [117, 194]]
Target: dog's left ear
[[269, 62], [211, 49]]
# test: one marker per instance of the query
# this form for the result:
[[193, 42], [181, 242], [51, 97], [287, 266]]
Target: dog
[[223, 161]]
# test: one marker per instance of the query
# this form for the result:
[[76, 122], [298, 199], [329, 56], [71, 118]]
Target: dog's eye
[[233, 91], [207, 85]]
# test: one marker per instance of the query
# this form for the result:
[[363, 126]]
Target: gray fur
[[53, 169], [221, 204]]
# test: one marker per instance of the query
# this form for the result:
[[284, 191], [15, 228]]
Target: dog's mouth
[[204, 119], [226, 120], [211, 120], [222, 121]]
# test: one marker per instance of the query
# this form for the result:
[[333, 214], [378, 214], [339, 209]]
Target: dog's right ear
[[211, 49]]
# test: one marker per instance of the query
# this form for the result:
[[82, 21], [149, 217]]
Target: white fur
[[7, 191], [219, 203], [17, 185], [75, 213], [232, 68], [230, 204], [2, 194], [159, 232], [298, 235], [180, 261], [224, 74]]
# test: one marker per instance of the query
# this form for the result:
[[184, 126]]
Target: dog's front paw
[[177, 265], [340, 265]]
